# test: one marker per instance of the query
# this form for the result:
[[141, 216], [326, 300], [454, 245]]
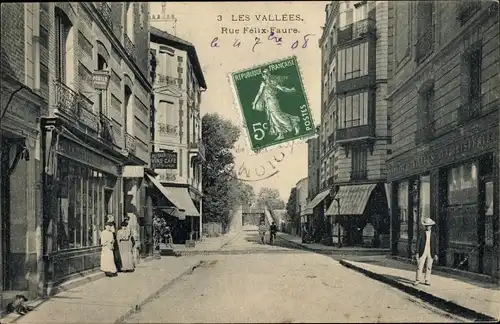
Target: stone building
[[178, 85], [301, 192], [91, 148], [313, 177], [443, 96], [355, 133]]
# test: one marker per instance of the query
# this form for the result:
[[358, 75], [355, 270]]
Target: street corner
[[273, 104]]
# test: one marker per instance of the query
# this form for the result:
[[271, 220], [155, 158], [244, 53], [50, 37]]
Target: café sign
[[164, 160]]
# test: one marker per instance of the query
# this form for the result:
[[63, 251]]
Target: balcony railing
[[129, 46], [105, 10], [424, 45], [355, 133], [198, 146], [130, 143], [363, 27], [359, 175], [67, 100], [162, 80]]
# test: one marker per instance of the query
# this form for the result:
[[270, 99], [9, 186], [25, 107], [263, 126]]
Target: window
[[353, 62], [489, 219], [359, 161], [352, 110], [81, 205], [462, 184], [32, 45], [180, 59], [425, 30], [63, 47], [425, 111], [129, 31], [403, 209], [346, 18], [361, 11], [103, 107], [425, 198], [128, 109], [471, 83]]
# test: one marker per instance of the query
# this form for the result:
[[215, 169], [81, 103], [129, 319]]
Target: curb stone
[[152, 296], [441, 303]]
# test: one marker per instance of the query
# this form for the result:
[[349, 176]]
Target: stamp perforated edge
[[242, 120]]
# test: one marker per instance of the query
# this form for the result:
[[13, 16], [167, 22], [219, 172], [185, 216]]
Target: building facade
[[178, 86], [93, 139], [301, 192], [313, 176], [443, 97]]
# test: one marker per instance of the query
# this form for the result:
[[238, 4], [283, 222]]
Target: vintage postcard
[[250, 162]]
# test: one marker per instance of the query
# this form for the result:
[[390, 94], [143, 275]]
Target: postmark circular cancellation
[[274, 110]]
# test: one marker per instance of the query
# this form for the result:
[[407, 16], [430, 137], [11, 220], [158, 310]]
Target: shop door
[[488, 259], [108, 202]]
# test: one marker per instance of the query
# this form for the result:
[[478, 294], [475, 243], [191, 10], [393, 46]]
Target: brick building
[[91, 149], [178, 87], [443, 96]]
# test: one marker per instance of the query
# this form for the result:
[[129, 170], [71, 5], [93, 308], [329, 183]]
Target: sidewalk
[[463, 296], [208, 244], [108, 300], [317, 247]]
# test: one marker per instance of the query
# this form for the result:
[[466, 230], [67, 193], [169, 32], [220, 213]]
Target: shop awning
[[174, 211], [353, 200], [182, 199], [316, 201]]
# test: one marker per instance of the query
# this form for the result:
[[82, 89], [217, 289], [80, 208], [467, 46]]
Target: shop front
[[319, 226], [454, 181], [360, 216], [82, 186]]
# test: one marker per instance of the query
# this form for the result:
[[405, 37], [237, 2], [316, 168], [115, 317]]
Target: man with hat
[[426, 251]]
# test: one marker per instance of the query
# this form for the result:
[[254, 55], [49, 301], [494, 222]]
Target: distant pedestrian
[[108, 265], [426, 252], [126, 246]]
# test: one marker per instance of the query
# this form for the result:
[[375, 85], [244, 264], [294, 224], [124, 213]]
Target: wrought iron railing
[[129, 46], [199, 146], [105, 128], [161, 79], [105, 10], [67, 100], [130, 143], [353, 133]]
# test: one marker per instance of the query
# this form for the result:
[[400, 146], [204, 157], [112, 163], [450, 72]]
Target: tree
[[219, 186], [291, 205], [246, 193], [270, 198]]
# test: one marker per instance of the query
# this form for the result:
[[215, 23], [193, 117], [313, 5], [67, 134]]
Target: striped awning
[[353, 200], [316, 201]]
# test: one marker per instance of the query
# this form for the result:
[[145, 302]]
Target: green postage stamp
[[273, 103]]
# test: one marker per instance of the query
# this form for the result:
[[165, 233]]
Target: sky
[[199, 23]]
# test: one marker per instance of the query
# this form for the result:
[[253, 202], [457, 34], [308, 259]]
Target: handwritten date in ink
[[273, 38]]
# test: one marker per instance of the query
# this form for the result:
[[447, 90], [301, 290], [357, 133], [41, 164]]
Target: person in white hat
[[426, 252]]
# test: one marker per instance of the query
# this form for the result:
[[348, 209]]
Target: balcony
[[164, 80], [363, 28], [129, 47], [67, 100], [105, 10], [468, 112], [198, 147], [359, 29], [359, 175], [130, 143], [424, 134], [424, 45], [356, 133]]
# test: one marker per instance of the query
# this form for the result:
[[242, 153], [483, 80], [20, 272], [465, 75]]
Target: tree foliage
[[291, 205], [220, 187], [246, 193], [270, 198]]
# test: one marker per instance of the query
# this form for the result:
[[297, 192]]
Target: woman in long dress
[[126, 246], [107, 258], [266, 100]]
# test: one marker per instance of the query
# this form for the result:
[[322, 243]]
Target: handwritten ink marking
[[214, 42], [282, 157], [306, 39], [271, 164], [257, 41], [278, 40], [236, 43], [263, 171]]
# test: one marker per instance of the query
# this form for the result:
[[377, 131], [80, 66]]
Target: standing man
[[426, 252]]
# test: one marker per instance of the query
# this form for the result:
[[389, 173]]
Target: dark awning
[[316, 201], [353, 200]]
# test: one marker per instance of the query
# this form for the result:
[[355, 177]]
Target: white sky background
[[198, 24]]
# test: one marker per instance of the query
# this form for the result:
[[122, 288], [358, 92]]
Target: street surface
[[251, 282]]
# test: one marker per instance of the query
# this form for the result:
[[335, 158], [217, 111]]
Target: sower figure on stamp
[[426, 252], [280, 122]]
